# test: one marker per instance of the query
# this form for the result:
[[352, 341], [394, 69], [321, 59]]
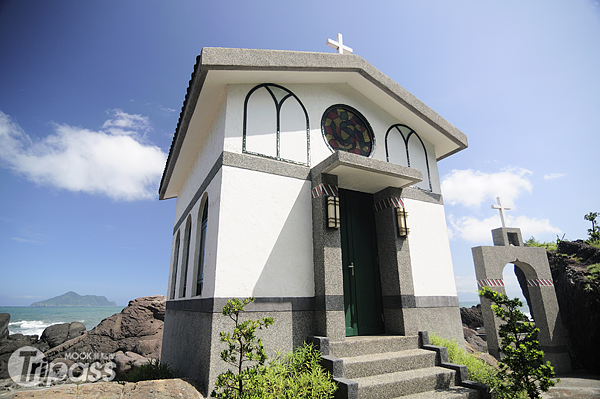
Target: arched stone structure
[[489, 265]]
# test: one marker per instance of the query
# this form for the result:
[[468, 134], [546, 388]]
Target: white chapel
[[310, 182]]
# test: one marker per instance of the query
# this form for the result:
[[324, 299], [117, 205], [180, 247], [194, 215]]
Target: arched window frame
[[202, 227], [175, 267], [359, 115], [397, 126], [186, 257], [278, 106]]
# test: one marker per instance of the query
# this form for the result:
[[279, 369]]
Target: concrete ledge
[[347, 389]]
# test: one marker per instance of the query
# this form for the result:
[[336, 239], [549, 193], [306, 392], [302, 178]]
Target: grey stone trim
[[329, 302], [267, 165], [211, 175], [422, 195], [436, 301], [399, 301], [260, 304], [412, 301], [342, 158], [502, 237]]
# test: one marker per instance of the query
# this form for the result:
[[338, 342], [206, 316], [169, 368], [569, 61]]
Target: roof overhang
[[218, 67], [368, 175]]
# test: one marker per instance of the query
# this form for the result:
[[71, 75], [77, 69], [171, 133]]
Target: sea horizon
[[33, 320]]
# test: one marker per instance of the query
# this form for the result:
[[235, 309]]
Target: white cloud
[[124, 123], [472, 187], [553, 176], [478, 231], [114, 162]]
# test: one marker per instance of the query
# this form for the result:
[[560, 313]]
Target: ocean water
[[33, 320]]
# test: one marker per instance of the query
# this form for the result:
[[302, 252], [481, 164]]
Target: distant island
[[72, 299]]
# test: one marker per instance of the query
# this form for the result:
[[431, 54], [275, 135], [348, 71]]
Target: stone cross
[[339, 45], [501, 208]]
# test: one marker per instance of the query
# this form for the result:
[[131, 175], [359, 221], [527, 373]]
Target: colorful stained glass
[[346, 130]]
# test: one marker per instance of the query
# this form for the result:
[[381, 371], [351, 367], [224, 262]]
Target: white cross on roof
[[339, 45], [501, 209]]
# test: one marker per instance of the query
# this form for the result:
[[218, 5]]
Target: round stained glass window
[[345, 129]]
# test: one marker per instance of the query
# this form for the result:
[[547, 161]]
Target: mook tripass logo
[[28, 367]]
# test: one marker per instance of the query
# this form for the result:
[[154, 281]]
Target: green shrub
[[594, 275], [479, 370], [522, 369], [550, 246], [245, 352], [154, 370], [296, 375]]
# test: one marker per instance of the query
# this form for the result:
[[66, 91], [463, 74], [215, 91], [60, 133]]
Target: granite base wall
[[192, 346]]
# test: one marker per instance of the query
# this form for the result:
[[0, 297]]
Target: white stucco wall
[[209, 148], [213, 194], [265, 236], [316, 99], [430, 257]]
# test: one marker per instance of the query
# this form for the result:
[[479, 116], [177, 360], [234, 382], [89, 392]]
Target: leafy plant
[[245, 352], [296, 375], [594, 232], [550, 246], [153, 370], [479, 370], [594, 275], [522, 368]]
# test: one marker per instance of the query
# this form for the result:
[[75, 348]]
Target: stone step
[[450, 393], [388, 362], [365, 345], [393, 385]]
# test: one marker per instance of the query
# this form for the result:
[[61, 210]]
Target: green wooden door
[[362, 287]]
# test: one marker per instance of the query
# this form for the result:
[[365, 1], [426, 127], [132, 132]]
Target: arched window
[[186, 257], [345, 129], [201, 245], [276, 125], [175, 266], [415, 154]]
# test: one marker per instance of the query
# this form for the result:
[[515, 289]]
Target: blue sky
[[90, 94]]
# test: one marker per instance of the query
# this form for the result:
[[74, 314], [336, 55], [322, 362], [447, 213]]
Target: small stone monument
[[533, 262]]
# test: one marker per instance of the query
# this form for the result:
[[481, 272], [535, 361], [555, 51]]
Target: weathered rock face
[[59, 333], [138, 329], [579, 308], [472, 317], [4, 320], [136, 332], [473, 342]]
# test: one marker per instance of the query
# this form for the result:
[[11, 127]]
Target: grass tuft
[[153, 370]]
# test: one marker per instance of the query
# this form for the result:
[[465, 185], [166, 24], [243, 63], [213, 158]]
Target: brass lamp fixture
[[401, 214], [333, 212]]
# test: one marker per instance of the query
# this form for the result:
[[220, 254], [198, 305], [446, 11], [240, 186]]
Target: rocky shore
[[128, 339]]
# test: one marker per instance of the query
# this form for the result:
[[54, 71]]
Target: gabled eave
[[222, 66]]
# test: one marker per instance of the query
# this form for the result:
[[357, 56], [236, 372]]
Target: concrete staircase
[[391, 367]]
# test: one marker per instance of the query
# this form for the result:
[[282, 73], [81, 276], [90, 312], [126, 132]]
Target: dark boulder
[[4, 320], [472, 317], [59, 333], [137, 329]]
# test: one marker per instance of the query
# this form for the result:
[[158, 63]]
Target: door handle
[[351, 267]]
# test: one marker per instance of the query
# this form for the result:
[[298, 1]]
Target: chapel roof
[[234, 65]]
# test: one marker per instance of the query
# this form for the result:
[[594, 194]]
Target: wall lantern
[[333, 212], [401, 214]]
